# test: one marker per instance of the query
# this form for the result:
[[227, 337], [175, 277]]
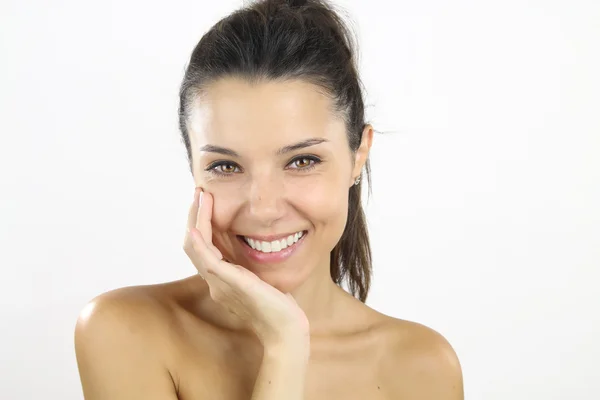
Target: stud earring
[[357, 181]]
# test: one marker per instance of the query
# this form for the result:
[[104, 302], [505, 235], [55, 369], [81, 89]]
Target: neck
[[320, 299]]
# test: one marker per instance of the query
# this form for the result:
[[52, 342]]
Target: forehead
[[232, 109]]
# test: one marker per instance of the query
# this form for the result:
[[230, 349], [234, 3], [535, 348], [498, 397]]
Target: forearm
[[283, 372]]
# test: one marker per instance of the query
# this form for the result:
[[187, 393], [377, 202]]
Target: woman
[[272, 116]]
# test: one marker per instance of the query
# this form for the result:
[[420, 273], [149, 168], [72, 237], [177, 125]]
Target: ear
[[362, 153]]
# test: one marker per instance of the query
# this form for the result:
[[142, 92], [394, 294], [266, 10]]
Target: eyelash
[[212, 168]]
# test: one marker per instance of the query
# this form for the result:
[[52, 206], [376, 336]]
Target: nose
[[265, 199]]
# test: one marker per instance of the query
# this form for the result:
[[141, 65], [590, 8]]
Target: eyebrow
[[286, 149]]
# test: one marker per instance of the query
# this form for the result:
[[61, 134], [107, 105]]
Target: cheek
[[225, 206], [325, 204]]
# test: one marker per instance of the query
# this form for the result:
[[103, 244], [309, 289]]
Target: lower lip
[[276, 257]]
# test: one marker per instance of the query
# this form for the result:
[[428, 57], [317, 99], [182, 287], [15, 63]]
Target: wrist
[[290, 336], [290, 348]]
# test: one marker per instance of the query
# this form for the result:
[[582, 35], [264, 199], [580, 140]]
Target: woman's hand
[[275, 317]]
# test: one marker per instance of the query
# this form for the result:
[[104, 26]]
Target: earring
[[357, 181]]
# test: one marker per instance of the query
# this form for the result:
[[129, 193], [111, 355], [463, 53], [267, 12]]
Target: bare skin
[[271, 159], [167, 342]]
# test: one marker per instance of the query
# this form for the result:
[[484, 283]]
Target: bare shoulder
[[129, 310], [122, 344], [421, 363]]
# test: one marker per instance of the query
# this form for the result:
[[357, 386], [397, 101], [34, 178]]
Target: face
[[278, 164]]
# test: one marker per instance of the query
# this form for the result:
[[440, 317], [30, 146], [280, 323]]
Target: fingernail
[[200, 198]]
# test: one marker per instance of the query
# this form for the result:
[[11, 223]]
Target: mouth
[[273, 246], [272, 250]]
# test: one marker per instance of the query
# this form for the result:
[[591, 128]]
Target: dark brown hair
[[284, 40]]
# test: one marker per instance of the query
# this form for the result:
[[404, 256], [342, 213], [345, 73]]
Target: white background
[[485, 216]]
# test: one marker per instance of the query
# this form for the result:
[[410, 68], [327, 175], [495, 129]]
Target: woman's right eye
[[223, 168]]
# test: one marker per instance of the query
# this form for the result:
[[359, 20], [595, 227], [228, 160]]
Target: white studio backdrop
[[485, 216]]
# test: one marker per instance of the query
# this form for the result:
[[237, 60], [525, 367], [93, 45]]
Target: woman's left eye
[[304, 162]]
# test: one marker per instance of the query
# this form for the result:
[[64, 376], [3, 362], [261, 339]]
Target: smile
[[273, 251], [275, 245]]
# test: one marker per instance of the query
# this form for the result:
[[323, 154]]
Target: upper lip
[[271, 238]]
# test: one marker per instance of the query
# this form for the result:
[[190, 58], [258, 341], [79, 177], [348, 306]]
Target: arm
[[283, 371], [115, 355]]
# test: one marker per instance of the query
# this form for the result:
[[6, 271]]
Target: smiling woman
[[271, 114], [277, 162]]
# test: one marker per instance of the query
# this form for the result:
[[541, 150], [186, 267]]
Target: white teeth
[[265, 247], [274, 246]]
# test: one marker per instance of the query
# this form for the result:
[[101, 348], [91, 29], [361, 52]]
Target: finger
[[204, 220], [231, 274], [204, 252], [193, 212], [204, 255], [191, 222]]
